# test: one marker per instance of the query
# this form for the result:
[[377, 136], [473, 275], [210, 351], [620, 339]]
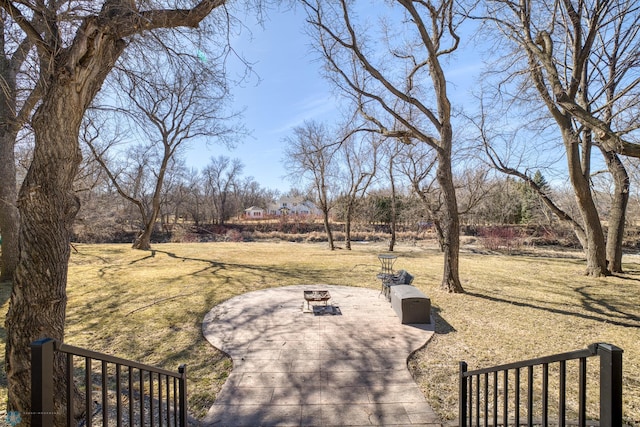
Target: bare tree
[[393, 153], [221, 177], [195, 205], [310, 154], [542, 191], [391, 91], [359, 160], [170, 108], [580, 59], [74, 64], [417, 164]]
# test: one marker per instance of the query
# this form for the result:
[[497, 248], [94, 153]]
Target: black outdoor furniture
[[402, 277]]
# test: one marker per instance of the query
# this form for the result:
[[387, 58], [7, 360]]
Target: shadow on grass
[[626, 320], [215, 267], [604, 308], [442, 327]]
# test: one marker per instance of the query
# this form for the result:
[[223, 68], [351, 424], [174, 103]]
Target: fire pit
[[319, 296]]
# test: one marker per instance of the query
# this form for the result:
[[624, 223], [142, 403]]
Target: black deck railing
[[499, 396], [105, 390]]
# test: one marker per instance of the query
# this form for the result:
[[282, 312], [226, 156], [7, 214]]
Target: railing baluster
[[130, 385], [516, 398], [118, 397], [168, 401], [70, 390], [486, 400], [159, 400], [141, 379], [151, 415], [495, 398], [562, 398], [530, 396], [88, 392], [477, 400], [582, 393], [545, 394], [505, 402], [105, 403], [175, 403], [470, 402]]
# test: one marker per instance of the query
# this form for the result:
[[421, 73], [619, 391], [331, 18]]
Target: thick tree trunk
[[72, 76], [9, 216], [143, 241], [48, 207], [618, 211], [450, 224], [595, 243]]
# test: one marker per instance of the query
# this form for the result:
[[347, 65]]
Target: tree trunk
[[439, 233], [394, 209], [48, 206], [618, 211], [347, 227], [9, 216], [450, 223], [327, 229], [143, 241], [595, 249]]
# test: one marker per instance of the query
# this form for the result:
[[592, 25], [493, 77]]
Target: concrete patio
[[294, 367]]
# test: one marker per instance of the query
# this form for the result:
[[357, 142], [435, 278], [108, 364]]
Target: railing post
[[462, 396], [182, 387], [42, 382], [610, 385]]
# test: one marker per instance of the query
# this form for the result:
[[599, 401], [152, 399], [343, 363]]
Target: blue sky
[[286, 90], [290, 91]]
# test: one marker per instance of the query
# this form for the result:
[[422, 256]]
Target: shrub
[[495, 238]]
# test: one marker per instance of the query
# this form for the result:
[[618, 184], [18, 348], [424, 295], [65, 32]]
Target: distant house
[[292, 206], [254, 212]]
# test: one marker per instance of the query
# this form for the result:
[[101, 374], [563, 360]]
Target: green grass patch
[[148, 306]]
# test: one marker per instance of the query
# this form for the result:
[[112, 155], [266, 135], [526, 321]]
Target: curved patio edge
[[295, 365]]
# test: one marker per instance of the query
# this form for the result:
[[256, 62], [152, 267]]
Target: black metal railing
[[111, 390], [499, 396]]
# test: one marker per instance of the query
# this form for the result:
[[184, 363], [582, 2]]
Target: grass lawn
[[148, 306]]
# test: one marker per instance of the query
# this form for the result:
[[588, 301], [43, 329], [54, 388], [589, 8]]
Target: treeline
[[208, 205]]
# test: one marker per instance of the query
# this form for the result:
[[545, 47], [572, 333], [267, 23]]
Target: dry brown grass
[[148, 306]]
